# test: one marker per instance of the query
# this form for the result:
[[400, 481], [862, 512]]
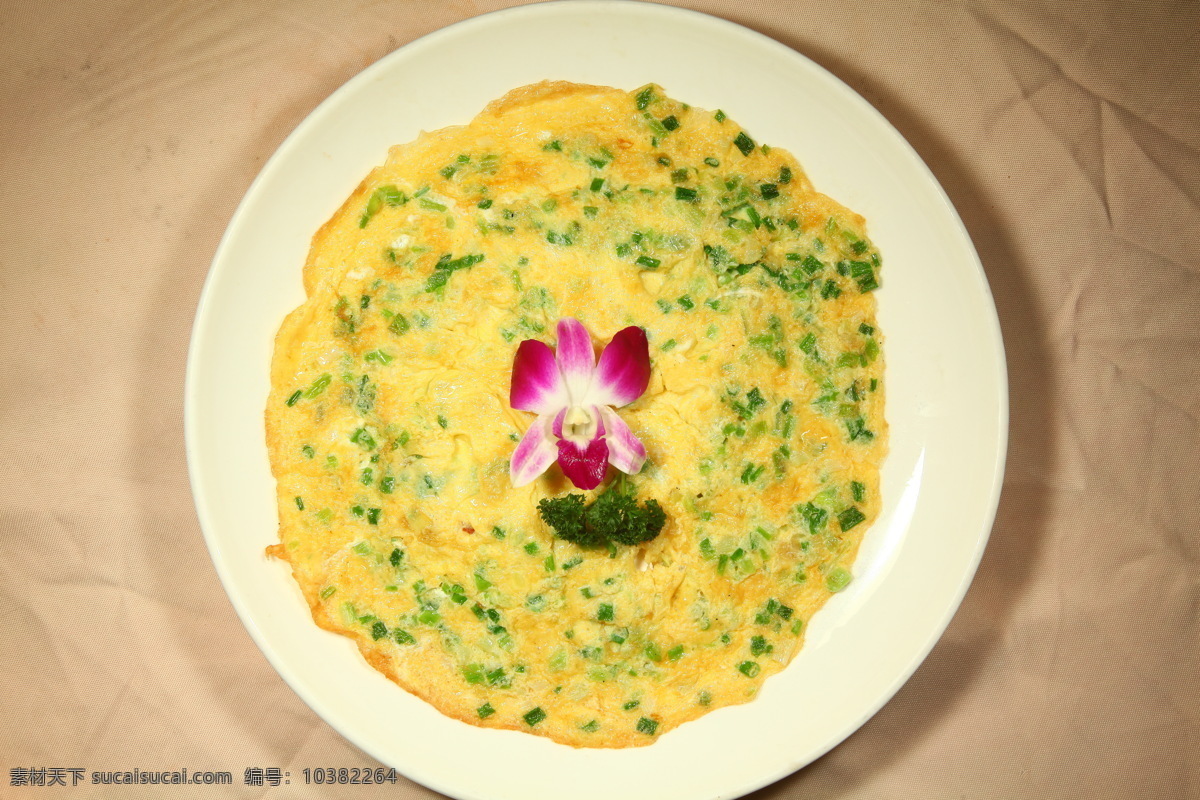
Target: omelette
[[392, 429]]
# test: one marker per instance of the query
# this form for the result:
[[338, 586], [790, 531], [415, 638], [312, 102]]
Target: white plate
[[946, 396]]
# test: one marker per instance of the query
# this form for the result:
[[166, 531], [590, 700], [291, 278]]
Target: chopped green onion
[[815, 516], [605, 612], [720, 116], [863, 273], [759, 646], [744, 143], [857, 428], [534, 717], [647, 726], [838, 579], [712, 162], [644, 97], [809, 343], [769, 191], [749, 668], [752, 473], [399, 325], [485, 711], [684, 193], [318, 386], [363, 438], [850, 517], [378, 631], [328, 592], [295, 397]]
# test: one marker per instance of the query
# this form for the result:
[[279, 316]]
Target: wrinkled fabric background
[[1066, 135]]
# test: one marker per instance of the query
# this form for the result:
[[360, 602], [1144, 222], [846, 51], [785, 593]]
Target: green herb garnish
[[612, 518]]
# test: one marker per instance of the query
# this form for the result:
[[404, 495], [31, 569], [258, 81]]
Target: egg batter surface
[[390, 429]]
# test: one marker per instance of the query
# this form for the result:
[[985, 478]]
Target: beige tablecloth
[[1066, 136]]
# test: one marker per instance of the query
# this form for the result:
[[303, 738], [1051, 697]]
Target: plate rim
[[205, 310]]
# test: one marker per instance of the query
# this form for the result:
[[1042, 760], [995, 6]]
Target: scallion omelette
[[391, 430]]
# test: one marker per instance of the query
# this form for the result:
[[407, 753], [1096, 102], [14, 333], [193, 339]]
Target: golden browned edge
[[367, 647]]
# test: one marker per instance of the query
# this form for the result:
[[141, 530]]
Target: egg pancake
[[391, 432]]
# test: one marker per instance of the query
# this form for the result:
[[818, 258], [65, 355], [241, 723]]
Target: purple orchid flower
[[573, 396]]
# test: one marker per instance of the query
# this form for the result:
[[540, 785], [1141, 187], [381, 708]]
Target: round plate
[[946, 396]]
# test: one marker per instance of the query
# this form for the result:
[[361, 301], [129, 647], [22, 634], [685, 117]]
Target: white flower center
[[579, 426]]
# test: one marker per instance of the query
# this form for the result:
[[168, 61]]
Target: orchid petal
[[534, 454], [537, 384], [624, 369], [576, 359], [584, 466], [625, 451]]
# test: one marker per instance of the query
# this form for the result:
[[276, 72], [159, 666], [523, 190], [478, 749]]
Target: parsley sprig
[[613, 517]]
